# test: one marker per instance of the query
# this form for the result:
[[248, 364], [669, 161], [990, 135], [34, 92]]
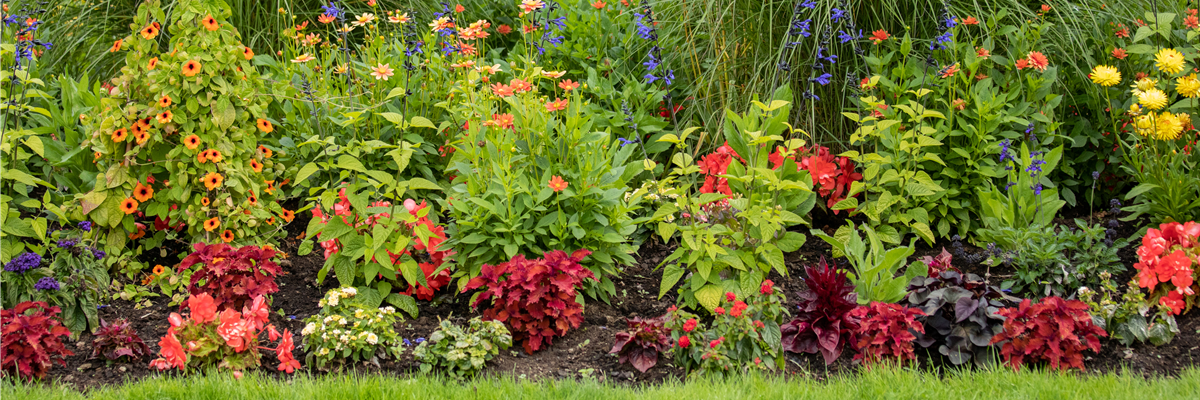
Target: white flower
[[389, 309], [372, 339], [324, 351], [358, 313], [345, 338], [328, 319], [333, 301], [309, 329], [349, 291]]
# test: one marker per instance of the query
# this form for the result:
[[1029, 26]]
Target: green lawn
[[876, 384]]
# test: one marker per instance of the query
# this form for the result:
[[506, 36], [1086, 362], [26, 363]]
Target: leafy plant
[[960, 315], [75, 280], [1165, 265], [233, 276], [886, 331], [1025, 201], [1131, 317], [1054, 330], [229, 339], [118, 342], [32, 340], [462, 352], [744, 336], [875, 271], [824, 323], [643, 342], [537, 298], [1056, 260], [351, 327], [733, 232]]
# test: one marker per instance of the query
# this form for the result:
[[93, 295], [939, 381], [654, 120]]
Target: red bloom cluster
[[831, 175], [1166, 256], [535, 298], [713, 166], [236, 333]]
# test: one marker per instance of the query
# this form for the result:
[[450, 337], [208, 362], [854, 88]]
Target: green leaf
[[404, 303], [306, 171], [422, 122], [671, 275], [846, 204], [350, 163], [791, 241], [772, 335], [422, 183], [709, 296], [345, 271]]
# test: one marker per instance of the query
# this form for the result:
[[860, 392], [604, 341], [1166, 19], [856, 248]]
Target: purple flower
[[98, 253], [837, 14], [24, 262], [823, 79], [1095, 175], [46, 283], [1037, 189], [86, 226], [67, 243]]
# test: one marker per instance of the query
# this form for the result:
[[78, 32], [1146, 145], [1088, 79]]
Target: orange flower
[[142, 192], [265, 126], [164, 101], [141, 232], [129, 205], [950, 71], [271, 221], [159, 269], [142, 136], [227, 236], [287, 215], [253, 200], [249, 54], [204, 201], [1022, 64], [270, 187], [191, 68], [136, 129], [568, 85], [118, 135], [556, 105], [1119, 54], [144, 123], [879, 36], [598, 4], [983, 53], [214, 155], [164, 117], [210, 23], [192, 141], [153, 63], [557, 183], [212, 223], [149, 32], [116, 46], [970, 21], [256, 166], [265, 151], [325, 18], [1038, 60], [213, 180]]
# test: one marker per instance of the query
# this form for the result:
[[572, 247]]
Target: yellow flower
[[1143, 85], [1106, 76], [1167, 127], [1184, 119], [1144, 125], [1169, 61], [1153, 99], [1188, 86], [1135, 109]]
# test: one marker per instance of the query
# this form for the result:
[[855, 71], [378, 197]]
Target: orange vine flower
[[213, 180], [212, 223], [129, 205]]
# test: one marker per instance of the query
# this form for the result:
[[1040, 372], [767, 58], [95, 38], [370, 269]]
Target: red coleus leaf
[[1055, 331], [31, 339]]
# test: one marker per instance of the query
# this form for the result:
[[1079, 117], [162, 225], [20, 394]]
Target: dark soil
[[583, 351]]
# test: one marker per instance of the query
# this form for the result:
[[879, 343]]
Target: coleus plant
[[232, 276], [536, 298], [641, 345], [1164, 265], [824, 323], [118, 341], [382, 245], [960, 314], [886, 331], [1054, 330], [31, 339], [228, 339]]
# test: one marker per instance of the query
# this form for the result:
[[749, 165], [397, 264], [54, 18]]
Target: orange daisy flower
[[149, 32], [270, 187], [202, 157], [153, 63], [213, 180], [119, 135], [265, 151], [141, 232], [249, 54], [191, 68], [265, 126], [253, 200], [164, 101], [129, 205], [287, 215], [136, 129], [144, 123], [1038, 60], [557, 183], [325, 18], [204, 201], [256, 166], [116, 46], [191, 142], [212, 223], [142, 192], [568, 85], [210, 23], [271, 221], [215, 156], [227, 236], [159, 269], [164, 117], [142, 137]]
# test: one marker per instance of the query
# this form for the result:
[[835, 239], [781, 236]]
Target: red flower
[[172, 353], [287, 361], [768, 287], [729, 296], [715, 343], [719, 311], [204, 309], [1174, 301], [1119, 53], [175, 320], [235, 330], [737, 309], [1122, 33], [690, 325], [878, 36], [684, 341]]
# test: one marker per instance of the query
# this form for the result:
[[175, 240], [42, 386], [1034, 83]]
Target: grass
[[879, 383]]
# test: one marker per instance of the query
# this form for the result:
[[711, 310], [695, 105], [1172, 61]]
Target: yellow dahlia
[[1153, 99], [1167, 127], [1106, 76], [1188, 86], [1169, 61]]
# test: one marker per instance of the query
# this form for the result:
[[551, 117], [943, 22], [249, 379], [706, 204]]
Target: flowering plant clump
[[535, 298], [181, 138], [462, 352], [227, 339], [1131, 317], [32, 340], [831, 175], [401, 247], [744, 334], [824, 322], [118, 342], [351, 326], [643, 342], [886, 331], [1164, 265], [233, 276], [73, 275], [1054, 330]]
